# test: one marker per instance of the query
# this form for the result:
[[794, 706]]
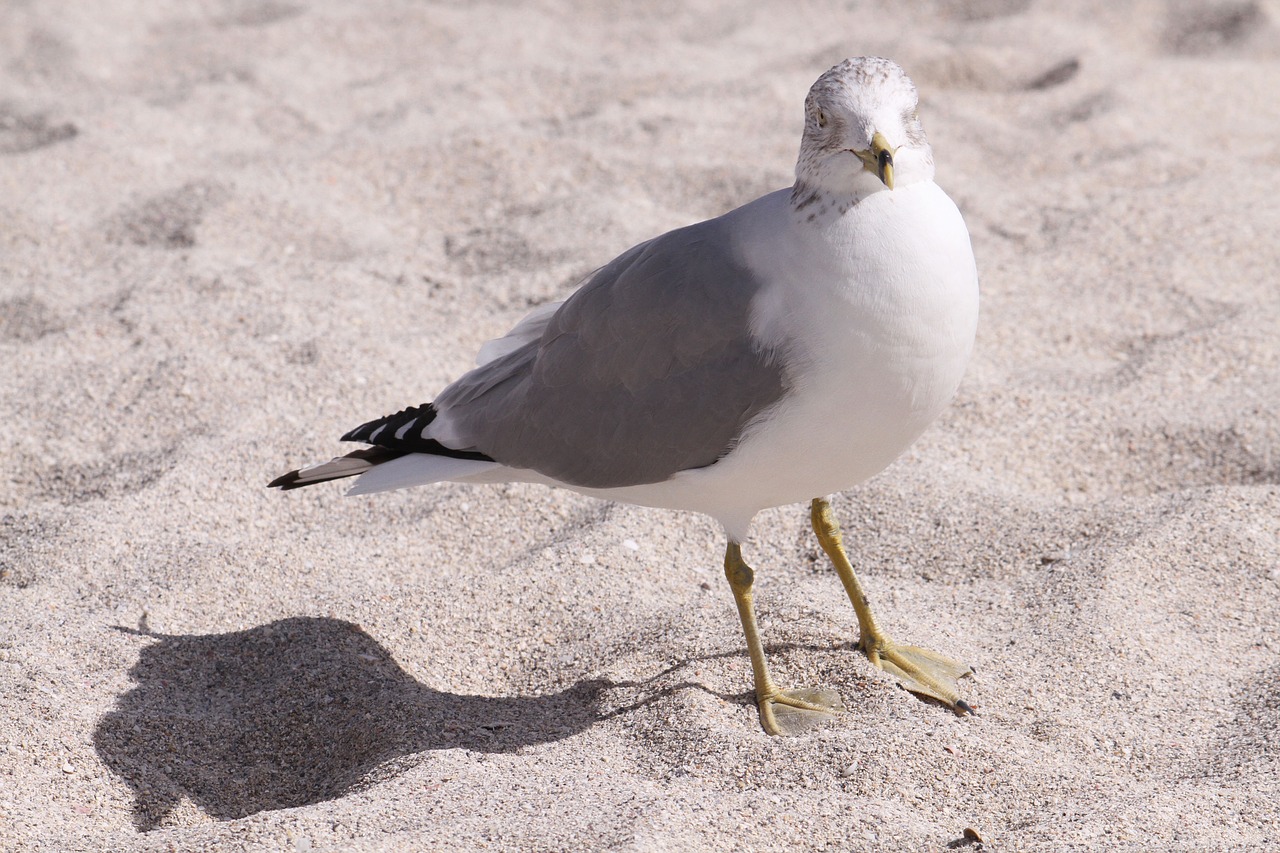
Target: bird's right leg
[[920, 670], [782, 712]]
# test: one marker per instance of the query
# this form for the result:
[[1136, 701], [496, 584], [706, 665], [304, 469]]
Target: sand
[[234, 230]]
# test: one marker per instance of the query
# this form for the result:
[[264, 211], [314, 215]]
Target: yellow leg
[[782, 712], [919, 670]]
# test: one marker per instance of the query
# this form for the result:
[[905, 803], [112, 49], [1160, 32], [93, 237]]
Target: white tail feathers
[[419, 469]]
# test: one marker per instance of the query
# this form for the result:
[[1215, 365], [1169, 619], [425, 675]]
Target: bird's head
[[861, 131]]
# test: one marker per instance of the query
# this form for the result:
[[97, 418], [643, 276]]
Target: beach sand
[[234, 230]]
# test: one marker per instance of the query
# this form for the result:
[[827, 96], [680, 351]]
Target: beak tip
[[885, 170]]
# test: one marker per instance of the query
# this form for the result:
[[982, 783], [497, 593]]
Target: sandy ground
[[232, 230]]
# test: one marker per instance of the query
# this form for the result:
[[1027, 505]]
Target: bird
[[777, 354]]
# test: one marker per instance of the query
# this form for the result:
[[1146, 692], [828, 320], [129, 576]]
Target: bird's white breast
[[879, 323]]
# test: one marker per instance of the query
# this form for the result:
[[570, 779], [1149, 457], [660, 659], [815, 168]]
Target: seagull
[[777, 354]]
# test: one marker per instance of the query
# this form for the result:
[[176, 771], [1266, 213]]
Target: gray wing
[[647, 370]]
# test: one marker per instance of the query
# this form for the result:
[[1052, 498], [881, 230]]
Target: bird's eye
[[822, 119]]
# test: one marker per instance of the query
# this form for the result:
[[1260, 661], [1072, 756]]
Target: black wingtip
[[384, 428], [387, 439], [352, 464], [285, 482], [403, 433]]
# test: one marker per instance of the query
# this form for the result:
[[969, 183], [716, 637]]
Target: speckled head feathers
[[856, 81], [845, 108]]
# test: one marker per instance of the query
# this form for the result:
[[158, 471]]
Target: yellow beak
[[879, 159]]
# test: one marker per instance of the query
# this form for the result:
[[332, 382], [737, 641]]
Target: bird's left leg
[[782, 712], [919, 670]]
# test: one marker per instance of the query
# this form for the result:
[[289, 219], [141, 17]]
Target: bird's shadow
[[296, 712]]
